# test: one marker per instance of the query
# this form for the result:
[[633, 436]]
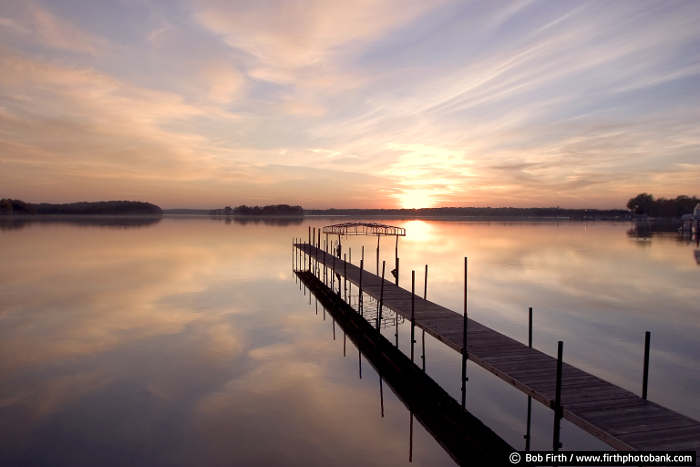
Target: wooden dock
[[614, 415]]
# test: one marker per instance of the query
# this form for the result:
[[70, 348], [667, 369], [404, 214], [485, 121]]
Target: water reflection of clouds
[[328, 398], [134, 341], [89, 295]]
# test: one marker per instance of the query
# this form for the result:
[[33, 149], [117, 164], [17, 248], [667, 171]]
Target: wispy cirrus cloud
[[36, 24], [286, 37]]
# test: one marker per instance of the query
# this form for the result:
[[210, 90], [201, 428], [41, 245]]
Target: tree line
[[270, 210], [645, 204], [14, 206], [480, 212]]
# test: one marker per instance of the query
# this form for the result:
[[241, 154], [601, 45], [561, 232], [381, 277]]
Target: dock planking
[[614, 415]]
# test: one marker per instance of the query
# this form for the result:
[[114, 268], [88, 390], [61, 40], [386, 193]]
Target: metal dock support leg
[[464, 342], [557, 401], [413, 312], [645, 377]]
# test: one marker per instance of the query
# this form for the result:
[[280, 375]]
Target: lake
[[188, 340]]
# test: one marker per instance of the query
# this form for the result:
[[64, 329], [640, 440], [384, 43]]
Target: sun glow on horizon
[[416, 199]]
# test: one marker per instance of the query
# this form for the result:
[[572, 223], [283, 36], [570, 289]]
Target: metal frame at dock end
[[364, 228]]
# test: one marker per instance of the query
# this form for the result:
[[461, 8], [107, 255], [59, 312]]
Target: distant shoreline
[[424, 213], [19, 209]]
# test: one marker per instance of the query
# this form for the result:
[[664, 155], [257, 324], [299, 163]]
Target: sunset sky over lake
[[365, 104]]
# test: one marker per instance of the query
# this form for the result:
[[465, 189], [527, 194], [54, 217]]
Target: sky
[[349, 104]]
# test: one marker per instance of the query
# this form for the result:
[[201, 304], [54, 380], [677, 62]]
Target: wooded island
[[15, 206]]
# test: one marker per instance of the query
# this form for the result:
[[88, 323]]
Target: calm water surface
[[187, 341]]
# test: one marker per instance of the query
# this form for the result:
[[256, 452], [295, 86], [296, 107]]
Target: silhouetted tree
[[15, 206], [270, 210], [643, 203]]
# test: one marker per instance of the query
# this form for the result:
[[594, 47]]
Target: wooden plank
[[640, 415], [687, 433], [592, 391], [650, 419], [626, 412], [536, 366], [567, 383], [627, 400], [652, 424], [503, 351], [600, 396], [523, 356], [487, 341]]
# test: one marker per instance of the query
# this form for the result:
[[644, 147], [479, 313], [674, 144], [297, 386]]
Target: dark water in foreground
[[186, 341]]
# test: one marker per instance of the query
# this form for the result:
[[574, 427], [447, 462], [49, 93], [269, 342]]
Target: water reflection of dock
[[616, 416], [463, 436]]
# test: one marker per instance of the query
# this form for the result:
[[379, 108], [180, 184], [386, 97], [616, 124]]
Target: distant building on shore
[[691, 222]]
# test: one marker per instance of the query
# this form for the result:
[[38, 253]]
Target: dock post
[[362, 262], [381, 297], [557, 401], [345, 276], [381, 394], [333, 277], [325, 263], [396, 324], [396, 255], [425, 287], [350, 284], [309, 234], [378, 253], [464, 342], [410, 441], [423, 356], [425, 297], [319, 238], [529, 399], [397, 270], [359, 359], [359, 297], [413, 312], [645, 377]]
